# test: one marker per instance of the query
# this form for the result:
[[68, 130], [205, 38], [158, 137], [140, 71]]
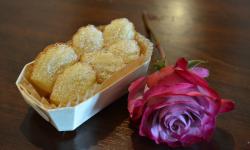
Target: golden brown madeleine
[[127, 49], [73, 83], [49, 63], [104, 63], [87, 39], [118, 29]]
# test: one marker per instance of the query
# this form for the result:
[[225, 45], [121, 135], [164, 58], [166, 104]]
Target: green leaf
[[159, 64], [194, 63]]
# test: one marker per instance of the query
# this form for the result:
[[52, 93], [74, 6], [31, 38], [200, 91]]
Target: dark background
[[214, 30]]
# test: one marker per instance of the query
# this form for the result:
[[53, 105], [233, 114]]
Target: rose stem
[[153, 37]]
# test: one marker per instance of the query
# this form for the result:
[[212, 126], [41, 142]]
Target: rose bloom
[[176, 106]]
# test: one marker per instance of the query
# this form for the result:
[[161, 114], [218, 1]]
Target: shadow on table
[[45, 136], [222, 140]]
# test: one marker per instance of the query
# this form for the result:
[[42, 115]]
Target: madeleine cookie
[[73, 83], [49, 63], [104, 63], [87, 39], [127, 49], [118, 29]]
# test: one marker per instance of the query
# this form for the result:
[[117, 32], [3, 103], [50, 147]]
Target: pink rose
[[175, 105]]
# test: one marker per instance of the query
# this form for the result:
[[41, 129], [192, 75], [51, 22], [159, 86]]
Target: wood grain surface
[[214, 30]]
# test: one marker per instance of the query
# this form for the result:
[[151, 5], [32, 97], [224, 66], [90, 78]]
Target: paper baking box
[[69, 118]]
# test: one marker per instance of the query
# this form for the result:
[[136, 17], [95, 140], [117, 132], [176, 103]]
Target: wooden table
[[216, 31]]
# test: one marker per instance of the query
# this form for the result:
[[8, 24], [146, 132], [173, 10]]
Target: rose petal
[[191, 137], [135, 101], [180, 88], [200, 82], [208, 126], [136, 85], [153, 79], [211, 104], [181, 63], [135, 109], [172, 79], [192, 78], [199, 71], [157, 76], [226, 105]]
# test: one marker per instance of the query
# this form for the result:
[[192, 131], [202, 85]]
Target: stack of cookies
[[65, 72]]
